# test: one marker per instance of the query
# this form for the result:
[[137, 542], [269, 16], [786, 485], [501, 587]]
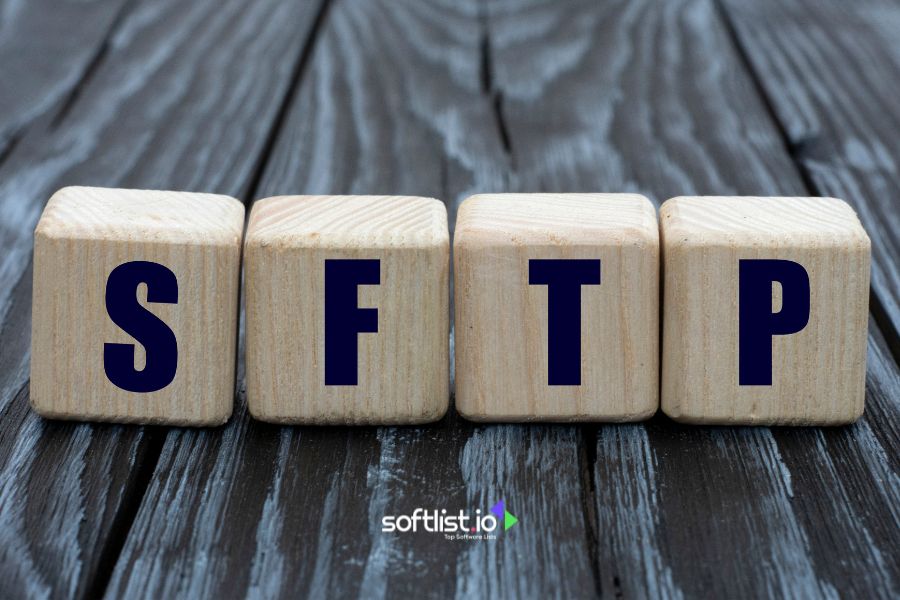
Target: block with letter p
[[135, 306], [557, 307], [347, 309], [765, 310]]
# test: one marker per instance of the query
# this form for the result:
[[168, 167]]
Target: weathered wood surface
[[46, 48], [444, 99], [179, 101], [437, 99], [829, 69]]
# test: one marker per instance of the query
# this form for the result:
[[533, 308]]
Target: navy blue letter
[[564, 278], [757, 322], [155, 336], [343, 319]]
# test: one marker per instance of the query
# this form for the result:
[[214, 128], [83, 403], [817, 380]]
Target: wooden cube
[[135, 306], [347, 309], [765, 311], [557, 307]]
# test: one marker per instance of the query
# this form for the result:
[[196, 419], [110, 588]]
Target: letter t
[[564, 278]]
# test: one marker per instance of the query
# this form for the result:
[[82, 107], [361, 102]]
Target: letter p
[[757, 322]]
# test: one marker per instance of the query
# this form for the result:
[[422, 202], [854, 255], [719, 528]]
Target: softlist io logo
[[455, 526]]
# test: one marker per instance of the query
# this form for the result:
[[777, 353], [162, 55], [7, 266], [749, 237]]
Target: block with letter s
[[135, 306]]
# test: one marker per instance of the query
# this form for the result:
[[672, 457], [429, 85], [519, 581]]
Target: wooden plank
[[46, 49], [652, 97], [392, 104], [829, 72], [178, 102]]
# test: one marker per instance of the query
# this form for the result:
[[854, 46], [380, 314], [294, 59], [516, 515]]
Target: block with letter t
[[135, 306], [347, 309], [557, 307], [765, 310]]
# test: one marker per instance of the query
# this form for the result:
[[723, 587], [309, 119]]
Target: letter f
[[344, 319]]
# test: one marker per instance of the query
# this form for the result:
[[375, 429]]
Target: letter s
[[387, 524], [155, 336]]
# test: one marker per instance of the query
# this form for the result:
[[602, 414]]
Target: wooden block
[[765, 311], [347, 309], [135, 306], [525, 349]]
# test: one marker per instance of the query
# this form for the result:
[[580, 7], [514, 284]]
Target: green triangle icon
[[509, 520]]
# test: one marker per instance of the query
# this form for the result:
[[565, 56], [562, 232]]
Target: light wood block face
[[100, 350], [743, 258], [312, 259], [505, 369]]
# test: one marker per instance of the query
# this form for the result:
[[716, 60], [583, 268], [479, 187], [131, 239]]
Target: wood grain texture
[[503, 317], [818, 373], [444, 100], [177, 102], [84, 234], [403, 367], [585, 91], [46, 48], [392, 103], [829, 71]]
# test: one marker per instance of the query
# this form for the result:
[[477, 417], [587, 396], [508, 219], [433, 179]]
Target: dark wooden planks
[[653, 97], [46, 48], [393, 103], [184, 98], [829, 70]]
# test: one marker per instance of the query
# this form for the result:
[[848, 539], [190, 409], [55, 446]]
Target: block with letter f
[[347, 308]]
